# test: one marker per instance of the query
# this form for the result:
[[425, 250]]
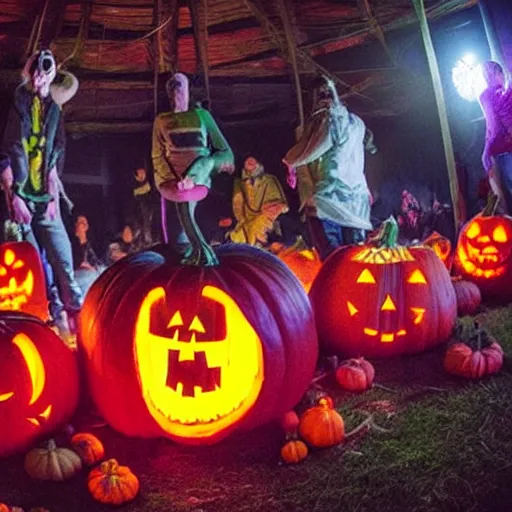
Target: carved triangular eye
[[366, 277], [417, 277], [176, 320], [197, 326]]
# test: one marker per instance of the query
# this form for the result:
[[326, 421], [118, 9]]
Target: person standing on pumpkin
[[258, 200], [496, 103], [35, 140], [188, 147], [327, 164]]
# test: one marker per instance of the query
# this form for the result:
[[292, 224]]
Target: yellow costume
[[258, 200]]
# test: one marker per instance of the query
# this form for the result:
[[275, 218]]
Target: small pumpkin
[[290, 422], [4, 508], [52, 463], [468, 296], [113, 484], [355, 374], [321, 426], [474, 360], [294, 451], [89, 448]]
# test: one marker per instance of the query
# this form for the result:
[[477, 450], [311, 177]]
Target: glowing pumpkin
[[22, 281], [442, 247], [382, 300], [194, 352], [38, 381], [484, 251], [302, 261]]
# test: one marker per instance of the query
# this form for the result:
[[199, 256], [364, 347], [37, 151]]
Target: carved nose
[[388, 304], [483, 239]]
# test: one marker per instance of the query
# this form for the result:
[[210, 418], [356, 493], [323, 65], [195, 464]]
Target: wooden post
[[441, 107], [284, 7], [492, 36]]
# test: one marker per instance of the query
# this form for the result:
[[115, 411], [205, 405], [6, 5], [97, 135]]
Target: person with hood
[[258, 200], [327, 164], [35, 144]]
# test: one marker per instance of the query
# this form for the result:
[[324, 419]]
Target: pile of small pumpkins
[[108, 482], [321, 426]]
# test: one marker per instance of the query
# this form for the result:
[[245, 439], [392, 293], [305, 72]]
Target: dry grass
[[442, 445]]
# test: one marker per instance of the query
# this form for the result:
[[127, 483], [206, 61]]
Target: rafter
[[375, 27], [303, 58], [285, 8]]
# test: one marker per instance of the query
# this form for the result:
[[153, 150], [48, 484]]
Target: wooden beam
[[419, 7], [305, 60], [285, 7], [199, 14], [375, 27], [168, 36]]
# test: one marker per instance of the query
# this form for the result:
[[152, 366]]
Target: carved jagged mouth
[[193, 377], [13, 296], [489, 257]]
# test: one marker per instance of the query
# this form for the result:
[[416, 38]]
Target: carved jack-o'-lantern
[[193, 352], [484, 250], [22, 282], [381, 299], [442, 247], [38, 381]]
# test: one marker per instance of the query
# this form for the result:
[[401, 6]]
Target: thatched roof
[[118, 48]]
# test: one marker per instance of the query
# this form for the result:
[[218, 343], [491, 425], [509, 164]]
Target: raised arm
[[488, 103], [314, 142]]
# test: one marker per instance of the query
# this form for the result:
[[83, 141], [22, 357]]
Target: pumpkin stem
[[388, 233], [200, 254], [491, 205], [51, 445]]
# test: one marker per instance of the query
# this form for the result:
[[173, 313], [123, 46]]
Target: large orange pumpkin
[[381, 299], [484, 252], [38, 381], [22, 281], [193, 352]]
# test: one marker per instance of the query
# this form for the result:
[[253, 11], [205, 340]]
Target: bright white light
[[468, 77]]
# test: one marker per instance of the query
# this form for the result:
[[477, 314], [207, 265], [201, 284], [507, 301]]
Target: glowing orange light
[[417, 277], [238, 358], [420, 313], [366, 277], [15, 295], [352, 310], [388, 304], [473, 231], [499, 234]]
